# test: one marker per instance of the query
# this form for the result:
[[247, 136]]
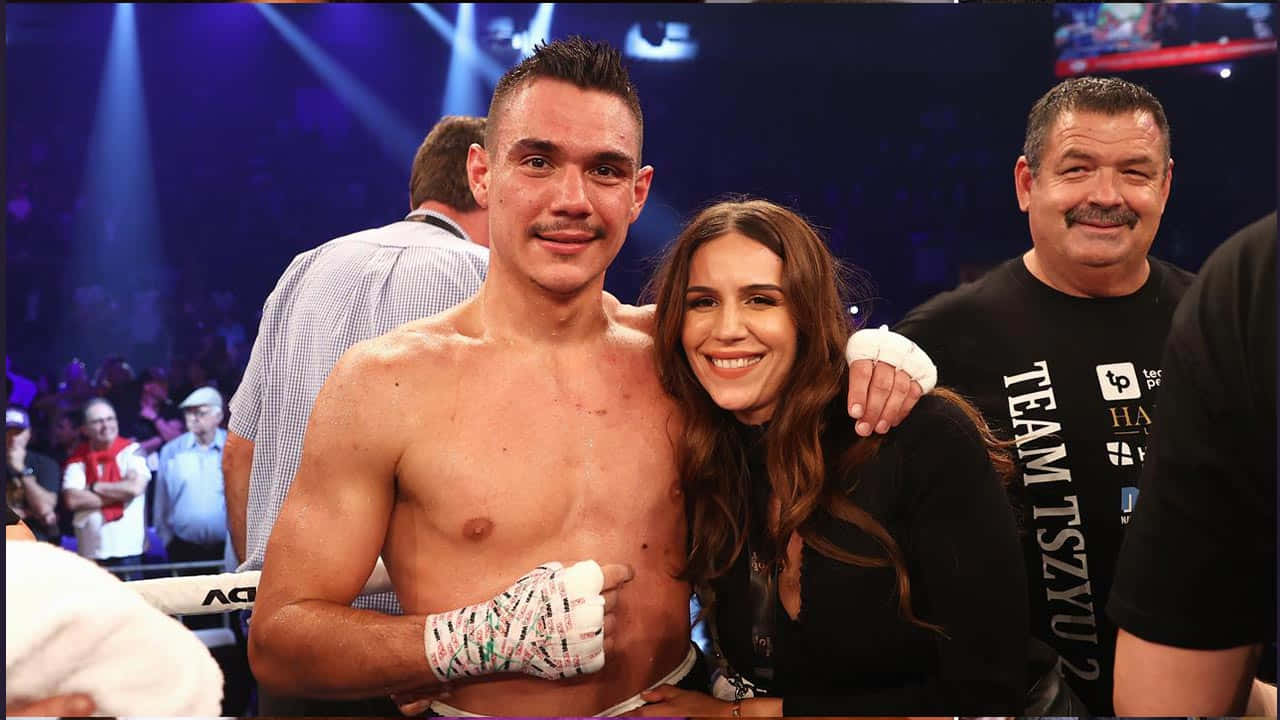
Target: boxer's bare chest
[[526, 457]]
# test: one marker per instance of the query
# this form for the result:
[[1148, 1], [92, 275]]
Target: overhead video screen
[[1117, 37]]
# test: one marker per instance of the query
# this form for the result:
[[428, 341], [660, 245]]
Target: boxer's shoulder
[[432, 338], [637, 318], [391, 361]]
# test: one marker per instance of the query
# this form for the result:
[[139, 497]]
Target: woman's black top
[[850, 652]]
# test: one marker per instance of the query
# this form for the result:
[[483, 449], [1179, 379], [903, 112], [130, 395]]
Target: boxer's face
[[561, 181], [1100, 191], [738, 334]]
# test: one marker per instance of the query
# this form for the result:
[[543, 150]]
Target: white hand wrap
[[886, 346], [549, 624]]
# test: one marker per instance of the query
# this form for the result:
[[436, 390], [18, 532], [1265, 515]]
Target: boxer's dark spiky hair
[[585, 63]]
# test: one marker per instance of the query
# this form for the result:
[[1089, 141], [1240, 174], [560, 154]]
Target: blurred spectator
[[190, 508], [103, 485], [113, 376], [34, 480], [146, 413], [75, 388], [62, 434]]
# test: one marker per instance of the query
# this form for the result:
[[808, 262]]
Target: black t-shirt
[[49, 477], [48, 473], [850, 652], [1073, 381], [1198, 566]]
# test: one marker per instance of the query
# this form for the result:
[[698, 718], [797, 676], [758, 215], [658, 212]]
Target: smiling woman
[[738, 335], [843, 574]]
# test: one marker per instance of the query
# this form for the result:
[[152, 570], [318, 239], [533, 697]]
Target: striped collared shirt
[[331, 297]]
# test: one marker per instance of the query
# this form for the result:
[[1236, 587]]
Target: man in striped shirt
[[349, 289]]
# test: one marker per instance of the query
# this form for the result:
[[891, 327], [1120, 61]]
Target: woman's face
[[738, 333]]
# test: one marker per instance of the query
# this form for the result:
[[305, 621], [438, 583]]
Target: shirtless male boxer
[[523, 426]]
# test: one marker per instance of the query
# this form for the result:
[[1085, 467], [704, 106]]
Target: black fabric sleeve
[[966, 573], [10, 517], [1197, 566]]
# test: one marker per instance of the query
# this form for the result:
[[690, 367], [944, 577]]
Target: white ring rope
[[224, 592]]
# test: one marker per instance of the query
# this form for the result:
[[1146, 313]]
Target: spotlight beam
[[116, 237], [488, 67], [396, 139], [120, 214], [539, 27]]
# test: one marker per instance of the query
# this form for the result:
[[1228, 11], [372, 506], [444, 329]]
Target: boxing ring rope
[[219, 593]]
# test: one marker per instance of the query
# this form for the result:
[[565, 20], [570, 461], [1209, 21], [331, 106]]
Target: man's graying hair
[[585, 63], [90, 403], [1105, 95]]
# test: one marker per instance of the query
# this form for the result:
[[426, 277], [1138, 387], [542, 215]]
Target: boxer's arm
[[237, 458], [306, 640], [887, 375]]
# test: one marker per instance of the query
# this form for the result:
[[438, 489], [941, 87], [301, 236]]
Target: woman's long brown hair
[[710, 456]]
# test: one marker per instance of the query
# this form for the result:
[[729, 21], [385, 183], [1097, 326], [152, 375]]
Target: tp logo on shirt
[[1119, 381]]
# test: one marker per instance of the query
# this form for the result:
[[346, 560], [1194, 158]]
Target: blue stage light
[[539, 29], [462, 94], [397, 140], [676, 43], [489, 68]]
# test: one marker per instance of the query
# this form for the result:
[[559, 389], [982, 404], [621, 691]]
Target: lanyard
[[433, 220]]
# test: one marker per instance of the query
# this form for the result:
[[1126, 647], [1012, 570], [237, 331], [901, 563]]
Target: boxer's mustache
[[1101, 216], [595, 231]]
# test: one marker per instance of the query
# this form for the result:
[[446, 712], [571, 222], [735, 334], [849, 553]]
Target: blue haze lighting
[[116, 236], [539, 29], [462, 94], [117, 229], [395, 138]]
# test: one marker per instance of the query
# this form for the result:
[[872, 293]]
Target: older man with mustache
[[1061, 349]]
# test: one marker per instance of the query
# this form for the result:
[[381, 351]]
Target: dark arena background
[[164, 162]]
